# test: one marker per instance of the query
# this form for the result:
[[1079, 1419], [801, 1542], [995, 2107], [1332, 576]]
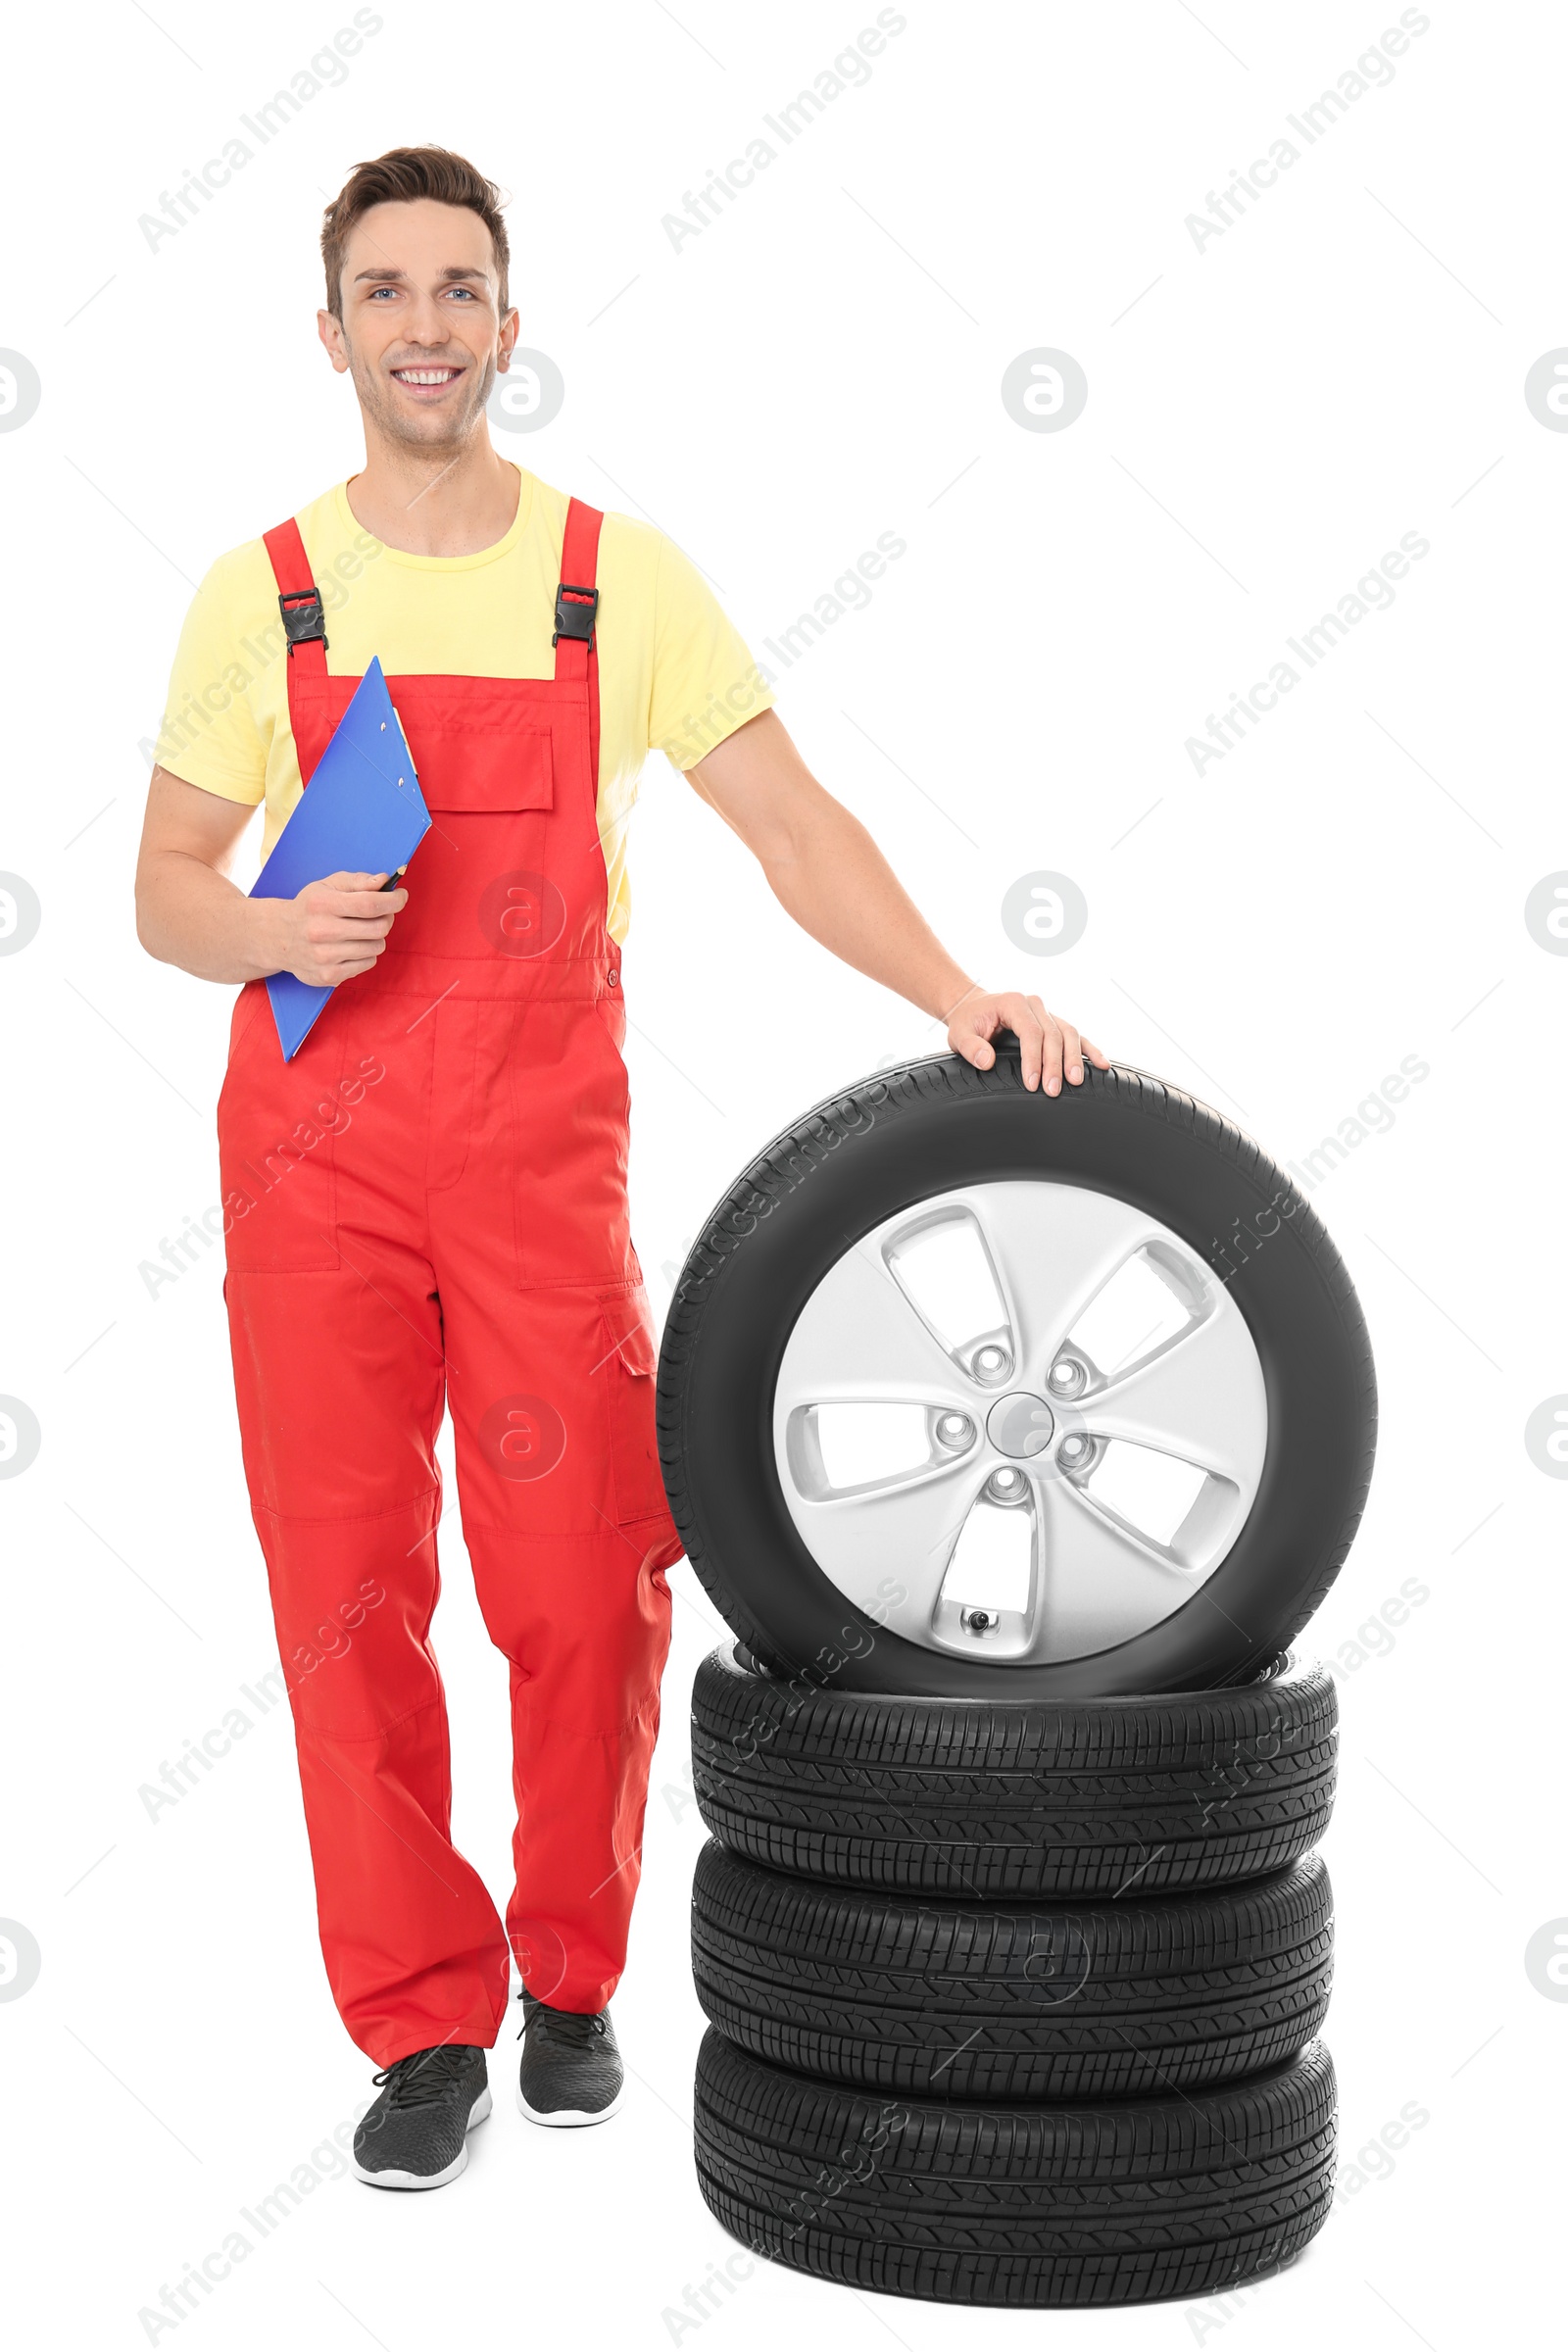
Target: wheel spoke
[[1200, 1398], [1055, 1248], [859, 1338], [901, 1534], [1095, 1582]]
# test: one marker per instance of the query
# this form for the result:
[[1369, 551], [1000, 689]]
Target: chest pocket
[[474, 754], [478, 884]]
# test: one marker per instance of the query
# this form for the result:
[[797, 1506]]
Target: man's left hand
[[1050, 1046]]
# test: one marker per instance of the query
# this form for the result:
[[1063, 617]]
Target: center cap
[[1021, 1425]]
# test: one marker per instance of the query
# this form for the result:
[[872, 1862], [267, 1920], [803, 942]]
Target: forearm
[[189, 914], [828, 872], [835, 882]]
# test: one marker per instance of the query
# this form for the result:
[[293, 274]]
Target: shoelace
[[424, 2076], [563, 2025]]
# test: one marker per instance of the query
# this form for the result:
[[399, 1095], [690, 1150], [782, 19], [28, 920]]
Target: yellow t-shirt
[[674, 674]]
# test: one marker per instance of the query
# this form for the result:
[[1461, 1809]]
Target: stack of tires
[[1014, 2002], [1011, 1930]]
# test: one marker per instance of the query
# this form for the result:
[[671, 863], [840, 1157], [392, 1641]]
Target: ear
[[330, 330]]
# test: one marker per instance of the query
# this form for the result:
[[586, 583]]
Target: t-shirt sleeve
[[209, 735], [705, 682]]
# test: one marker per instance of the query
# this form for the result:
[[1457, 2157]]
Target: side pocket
[[628, 1369], [246, 1006], [278, 1126]]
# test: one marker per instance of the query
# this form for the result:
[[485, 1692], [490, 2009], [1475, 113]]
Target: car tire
[[1006, 1797], [965, 2001], [1130, 2201], [1248, 1240]]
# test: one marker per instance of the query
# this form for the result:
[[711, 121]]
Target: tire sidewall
[[896, 1142]]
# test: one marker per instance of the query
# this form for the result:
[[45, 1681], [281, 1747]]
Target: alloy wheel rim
[[1019, 1417]]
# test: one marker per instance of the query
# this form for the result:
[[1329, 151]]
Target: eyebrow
[[449, 275]]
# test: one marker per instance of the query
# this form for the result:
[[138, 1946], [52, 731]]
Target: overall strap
[[575, 640], [299, 601]]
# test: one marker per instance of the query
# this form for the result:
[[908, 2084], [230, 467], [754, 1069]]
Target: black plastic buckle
[[304, 619], [576, 609]]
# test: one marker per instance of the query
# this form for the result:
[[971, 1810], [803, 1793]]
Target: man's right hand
[[190, 914], [335, 929]]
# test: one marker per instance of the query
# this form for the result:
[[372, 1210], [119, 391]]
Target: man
[[427, 1205]]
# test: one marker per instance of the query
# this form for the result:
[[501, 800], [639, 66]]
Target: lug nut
[[991, 1362], [1067, 1377], [954, 1429], [1007, 1486], [1074, 1452]]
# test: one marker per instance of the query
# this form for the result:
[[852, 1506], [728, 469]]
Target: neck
[[435, 501]]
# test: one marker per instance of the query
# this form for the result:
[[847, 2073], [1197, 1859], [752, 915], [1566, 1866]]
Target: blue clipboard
[[363, 813]]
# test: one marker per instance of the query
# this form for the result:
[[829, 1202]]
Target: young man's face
[[423, 329]]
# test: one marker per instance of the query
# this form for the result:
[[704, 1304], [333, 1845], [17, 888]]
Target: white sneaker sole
[[571, 2117], [477, 2115]]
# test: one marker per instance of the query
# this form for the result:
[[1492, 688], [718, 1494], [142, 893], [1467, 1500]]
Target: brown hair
[[401, 176]]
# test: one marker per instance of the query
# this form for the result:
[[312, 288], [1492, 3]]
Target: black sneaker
[[572, 2070], [415, 2135]]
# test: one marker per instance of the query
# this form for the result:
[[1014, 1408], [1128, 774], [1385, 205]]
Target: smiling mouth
[[426, 379]]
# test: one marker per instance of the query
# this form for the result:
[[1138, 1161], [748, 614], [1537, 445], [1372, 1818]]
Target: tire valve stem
[[977, 1621]]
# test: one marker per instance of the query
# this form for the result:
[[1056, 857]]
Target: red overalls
[[428, 1203]]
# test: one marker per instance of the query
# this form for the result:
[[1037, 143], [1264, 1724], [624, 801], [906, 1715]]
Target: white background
[[1265, 417]]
